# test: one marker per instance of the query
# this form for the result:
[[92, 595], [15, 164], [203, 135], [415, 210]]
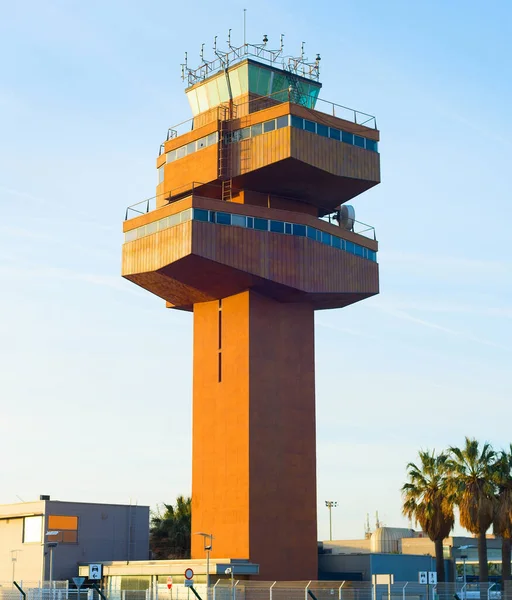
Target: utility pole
[[330, 504]]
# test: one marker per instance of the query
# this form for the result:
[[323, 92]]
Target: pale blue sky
[[96, 375]]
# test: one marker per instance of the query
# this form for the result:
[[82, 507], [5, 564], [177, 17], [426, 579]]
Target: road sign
[[189, 574], [78, 581], [169, 582], [422, 577], [432, 577], [189, 582], [95, 571]]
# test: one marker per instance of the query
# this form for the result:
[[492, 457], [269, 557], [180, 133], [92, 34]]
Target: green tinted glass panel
[[235, 82], [280, 84], [192, 99], [243, 78], [264, 82], [202, 98], [223, 88], [254, 73], [313, 95], [213, 93]]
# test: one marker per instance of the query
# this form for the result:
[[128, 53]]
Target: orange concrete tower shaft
[[247, 232]]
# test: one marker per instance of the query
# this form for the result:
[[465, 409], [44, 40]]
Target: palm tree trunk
[[505, 560], [482, 559], [438, 544]]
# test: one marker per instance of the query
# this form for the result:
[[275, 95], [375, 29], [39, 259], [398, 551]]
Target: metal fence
[[267, 590]]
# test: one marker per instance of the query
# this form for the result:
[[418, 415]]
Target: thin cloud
[[400, 314]]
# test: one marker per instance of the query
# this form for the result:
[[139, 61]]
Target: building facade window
[[229, 219], [66, 526], [33, 530]]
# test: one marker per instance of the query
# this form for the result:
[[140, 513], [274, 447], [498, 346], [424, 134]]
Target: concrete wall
[[104, 534], [403, 567], [29, 557]]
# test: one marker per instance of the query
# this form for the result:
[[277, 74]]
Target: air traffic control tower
[[249, 230]]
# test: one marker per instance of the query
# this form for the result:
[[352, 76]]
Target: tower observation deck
[[250, 230]]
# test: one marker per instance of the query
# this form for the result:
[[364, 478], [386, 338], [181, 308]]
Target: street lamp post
[[330, 504], [464, 558], [231, 571], [14, 559], [208, 541], [51, 546]]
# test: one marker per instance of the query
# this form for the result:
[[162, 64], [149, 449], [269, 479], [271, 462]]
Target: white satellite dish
[[347, 216]]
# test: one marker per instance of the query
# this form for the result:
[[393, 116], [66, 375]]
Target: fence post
[[403, 590], [306, 591], [271, 589]]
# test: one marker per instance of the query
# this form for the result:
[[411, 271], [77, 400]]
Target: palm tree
[[502, 523], [427, 501], [170, 531], [472, 486]]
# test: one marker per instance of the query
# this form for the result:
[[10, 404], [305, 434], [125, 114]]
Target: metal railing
[[221, 112], [149, 204]]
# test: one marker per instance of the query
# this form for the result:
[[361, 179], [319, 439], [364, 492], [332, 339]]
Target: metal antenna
[[215, 44], [282, 43], [302, 50], [245, 15], [202, 52]]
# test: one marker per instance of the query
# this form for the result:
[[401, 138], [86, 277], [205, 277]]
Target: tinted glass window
[[191, 147], [346, 137], [297, 122], [212, 139], [312, 233], [299, 230], [151, 227], [170, 156], [186, 215], [277, 226], [163, 223], [250, 222], [371, 145], [358, 250], [336, 242], [181, 152], [200, 214], [131, 235], [269, 126], [202, 143], [282, 121], [223, 218], [349, 246], [372, 255], [288, 228], [160, 174], [141, 231], [261, 224], [256, 129], [212, 216], [174, 219], [245, 133], [238, 220], [335, 134], [309, 126], [322, 129], [359, 141], [326, 238]]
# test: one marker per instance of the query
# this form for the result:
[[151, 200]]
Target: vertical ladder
[[296, 95], [224, 171]]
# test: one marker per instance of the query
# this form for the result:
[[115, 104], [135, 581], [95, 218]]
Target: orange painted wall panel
[[254, 471], [220, 469]]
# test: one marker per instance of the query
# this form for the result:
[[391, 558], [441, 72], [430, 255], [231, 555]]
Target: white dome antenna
[[347, 217]]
